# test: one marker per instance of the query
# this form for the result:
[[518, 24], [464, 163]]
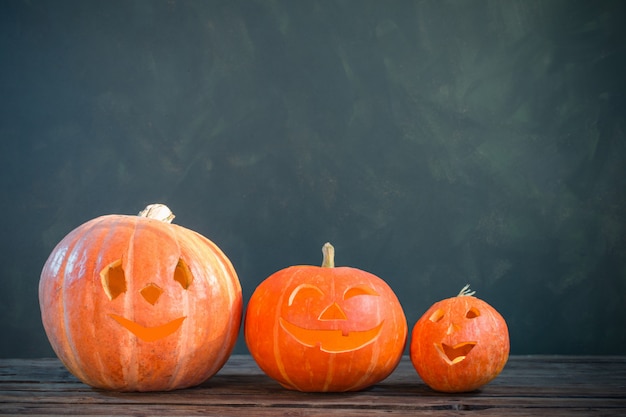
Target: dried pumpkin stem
[[328, 251], [158, 212], [466, 292]]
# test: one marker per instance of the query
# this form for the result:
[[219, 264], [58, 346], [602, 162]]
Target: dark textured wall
[[434, 143]]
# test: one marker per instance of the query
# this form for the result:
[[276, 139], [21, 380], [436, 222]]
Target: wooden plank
[[158, 410], [529, 385]]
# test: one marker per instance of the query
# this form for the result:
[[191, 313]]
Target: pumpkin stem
[[466, 292], [328, 261], [158, 212]]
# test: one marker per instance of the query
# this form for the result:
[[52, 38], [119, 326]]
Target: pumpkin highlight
[[134, 303], [459, 344], [321, 329]]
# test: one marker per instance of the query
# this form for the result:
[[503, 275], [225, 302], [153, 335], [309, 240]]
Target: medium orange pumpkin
[[459, 344], [134, 303], [320, 329]]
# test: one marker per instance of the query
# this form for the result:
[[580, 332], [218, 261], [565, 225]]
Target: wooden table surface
[[529, 385]]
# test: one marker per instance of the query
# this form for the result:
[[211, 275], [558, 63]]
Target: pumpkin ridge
[[131, 360], [181, 348], [226, 269], [330, 371], [104, 379], [75, 361], [83, 245], [276, 336], [374, 363], [198, 244], [77, 243], [108, 239]]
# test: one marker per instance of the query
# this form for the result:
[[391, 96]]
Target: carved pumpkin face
[[459, 344], [331, 330], [152, 287], [325, 328], [136, 304]]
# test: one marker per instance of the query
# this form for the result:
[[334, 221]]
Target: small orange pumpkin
[[320, 329], [134, 303], [459, 344]]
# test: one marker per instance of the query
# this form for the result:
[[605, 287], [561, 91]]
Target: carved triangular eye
[[472, 313], [113, 279], [182, 274]]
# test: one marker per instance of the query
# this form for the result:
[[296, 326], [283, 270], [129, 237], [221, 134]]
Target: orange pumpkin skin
[[459, 344], [136, 304], [319, 329]]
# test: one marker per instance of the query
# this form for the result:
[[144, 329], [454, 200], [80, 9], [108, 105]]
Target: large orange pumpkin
[[134, 303], [325, 328], [459, 344]]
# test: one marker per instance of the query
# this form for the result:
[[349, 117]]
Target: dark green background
[[434, 143]]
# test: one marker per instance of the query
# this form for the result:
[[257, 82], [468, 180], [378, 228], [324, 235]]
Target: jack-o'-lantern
[[325, 329], [134, 303], [459, 344]]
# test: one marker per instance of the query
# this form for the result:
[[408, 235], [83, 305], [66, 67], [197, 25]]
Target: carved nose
[[333, 312], [151, 293], [452, 328]]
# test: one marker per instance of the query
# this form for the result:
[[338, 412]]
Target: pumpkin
[[325, 329], [459, 344], [134, 303]]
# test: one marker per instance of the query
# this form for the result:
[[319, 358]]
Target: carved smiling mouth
[[332, 341], [149, 334], [454, 354]]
